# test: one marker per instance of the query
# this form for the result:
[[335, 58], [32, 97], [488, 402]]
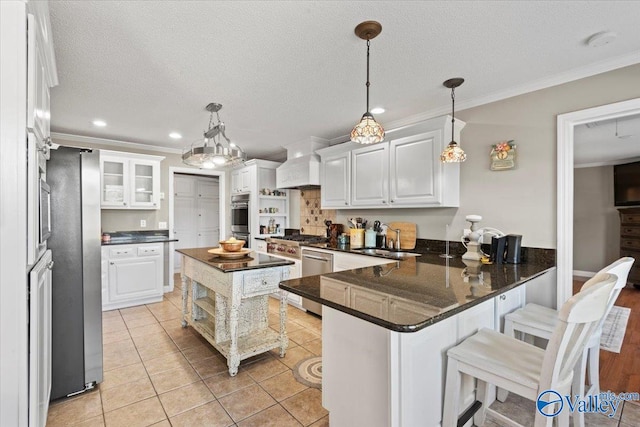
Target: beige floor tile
[[266, 368], [183, 399], [303, 335], [314, 346], [294, 355], [210, 366], [145, 330], [118, 354], [174, 328], [187, 341], [246, 402], [109, 337], [140, 414], [113, 324], [173, 379], [123, 375], [199, 352], [517, 408], [224, 384], [324, 422], [151, 339], [141, 321], [163, 423], [306, 406], [282, 386], [157, 350], [97, 421], [291, 326], [75, 410], [136, 315], [111, 314], [126, 394], [631, 413], [209, 415], [274, 416], [166, 363], [138, 309]]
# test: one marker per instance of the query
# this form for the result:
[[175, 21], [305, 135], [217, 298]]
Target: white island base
[[377, 377]]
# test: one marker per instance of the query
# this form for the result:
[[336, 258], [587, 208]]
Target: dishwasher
[[313, 263]]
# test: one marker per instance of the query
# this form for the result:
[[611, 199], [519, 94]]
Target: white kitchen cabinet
[[368, 301], [129, 181], [134, 275], [260, 245], [508, 302], [370, 175], [38, 82], [242, 180], [335, 177], [402, 172]]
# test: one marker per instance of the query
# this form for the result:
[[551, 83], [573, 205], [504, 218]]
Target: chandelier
[[213, 150]]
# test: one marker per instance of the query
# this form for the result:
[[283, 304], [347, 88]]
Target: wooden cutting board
[[407, 234]]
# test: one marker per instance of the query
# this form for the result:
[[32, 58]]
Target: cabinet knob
[[124, 203], [50, 265], [503, 297], [346, 203], [391, 201], [384, 201], [111, 263], [154, 204], [264, 281]]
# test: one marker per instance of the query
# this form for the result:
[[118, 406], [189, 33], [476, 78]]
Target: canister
[[357, 237], [370, 238]]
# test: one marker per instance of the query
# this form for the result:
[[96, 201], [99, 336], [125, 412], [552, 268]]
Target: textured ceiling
[[285, 71]]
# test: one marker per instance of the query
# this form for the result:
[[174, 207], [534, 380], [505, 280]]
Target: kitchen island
[[226, 301], [386, 330]]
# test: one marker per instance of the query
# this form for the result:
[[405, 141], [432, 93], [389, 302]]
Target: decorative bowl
[[231, 245]]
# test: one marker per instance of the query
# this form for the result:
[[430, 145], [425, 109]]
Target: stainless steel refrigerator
[[76, 305]]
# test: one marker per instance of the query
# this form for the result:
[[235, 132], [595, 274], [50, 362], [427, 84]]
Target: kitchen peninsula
[[226, 301], [386, 330]]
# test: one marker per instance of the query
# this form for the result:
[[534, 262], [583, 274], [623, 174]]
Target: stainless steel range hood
[[302, 168]]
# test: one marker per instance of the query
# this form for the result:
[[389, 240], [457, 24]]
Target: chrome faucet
[[397, 231]]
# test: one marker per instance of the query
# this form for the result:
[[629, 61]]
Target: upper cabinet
[[129, 181], [242, 180], [404, 171]]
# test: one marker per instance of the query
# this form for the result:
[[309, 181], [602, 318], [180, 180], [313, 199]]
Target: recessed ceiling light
[[601, 38], [377, 110], [99, 123], [175, 135]]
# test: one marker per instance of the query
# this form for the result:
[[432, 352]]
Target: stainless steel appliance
[[76, 307], [313, 263], [240, 213], [289, 246], [44, 212]]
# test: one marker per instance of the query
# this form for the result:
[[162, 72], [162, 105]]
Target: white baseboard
[[582, 273]]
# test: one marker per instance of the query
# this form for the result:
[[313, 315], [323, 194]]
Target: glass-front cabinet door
[[145, 183], [129, 181], [114, 182]]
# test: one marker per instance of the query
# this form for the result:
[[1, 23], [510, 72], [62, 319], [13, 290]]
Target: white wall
[[596, 223], [522, 200]]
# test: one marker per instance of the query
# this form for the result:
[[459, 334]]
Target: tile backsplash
[[312, 216]]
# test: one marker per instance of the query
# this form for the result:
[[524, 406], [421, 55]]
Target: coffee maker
[[506, 249]]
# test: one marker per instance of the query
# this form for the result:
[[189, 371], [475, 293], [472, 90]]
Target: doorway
[[196, 212], [564, 220]]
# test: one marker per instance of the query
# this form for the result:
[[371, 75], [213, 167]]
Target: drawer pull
[[503, 297]]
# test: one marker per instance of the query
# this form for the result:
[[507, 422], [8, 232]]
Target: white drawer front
[[121, 252], [260, 282], [149, 250]]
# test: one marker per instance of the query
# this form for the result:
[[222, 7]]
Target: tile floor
[[157, 373]]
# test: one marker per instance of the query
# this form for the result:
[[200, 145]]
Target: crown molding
[[555, 80], [113, 143]]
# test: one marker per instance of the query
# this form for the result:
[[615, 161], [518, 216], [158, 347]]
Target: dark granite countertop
[[428, 287], [253, 260], [136, 237]]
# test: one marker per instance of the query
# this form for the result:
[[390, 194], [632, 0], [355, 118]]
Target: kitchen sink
[[385, 253]]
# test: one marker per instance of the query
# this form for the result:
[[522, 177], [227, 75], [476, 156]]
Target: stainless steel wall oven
[[240, 213]]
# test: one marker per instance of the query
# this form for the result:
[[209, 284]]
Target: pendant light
[[368, 131], [212, 151], [453, 153]]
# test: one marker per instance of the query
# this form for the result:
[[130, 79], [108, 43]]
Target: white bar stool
[[538, 321], [496, 359]]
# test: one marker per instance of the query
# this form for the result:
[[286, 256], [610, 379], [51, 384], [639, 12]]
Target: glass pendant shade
[[368, 131], [453, 154]]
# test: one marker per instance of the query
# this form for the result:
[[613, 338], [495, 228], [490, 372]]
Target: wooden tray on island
[[219, 252]]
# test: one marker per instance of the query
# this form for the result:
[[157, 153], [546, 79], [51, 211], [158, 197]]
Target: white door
[[370, 175], [336, 181], [135, 278], [196, 209]]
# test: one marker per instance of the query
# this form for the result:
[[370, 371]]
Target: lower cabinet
[[134, 275]]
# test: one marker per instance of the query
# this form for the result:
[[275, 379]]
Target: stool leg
[[451, 394], [577, 387], [502, 394], [482, 393], [594, 369]]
